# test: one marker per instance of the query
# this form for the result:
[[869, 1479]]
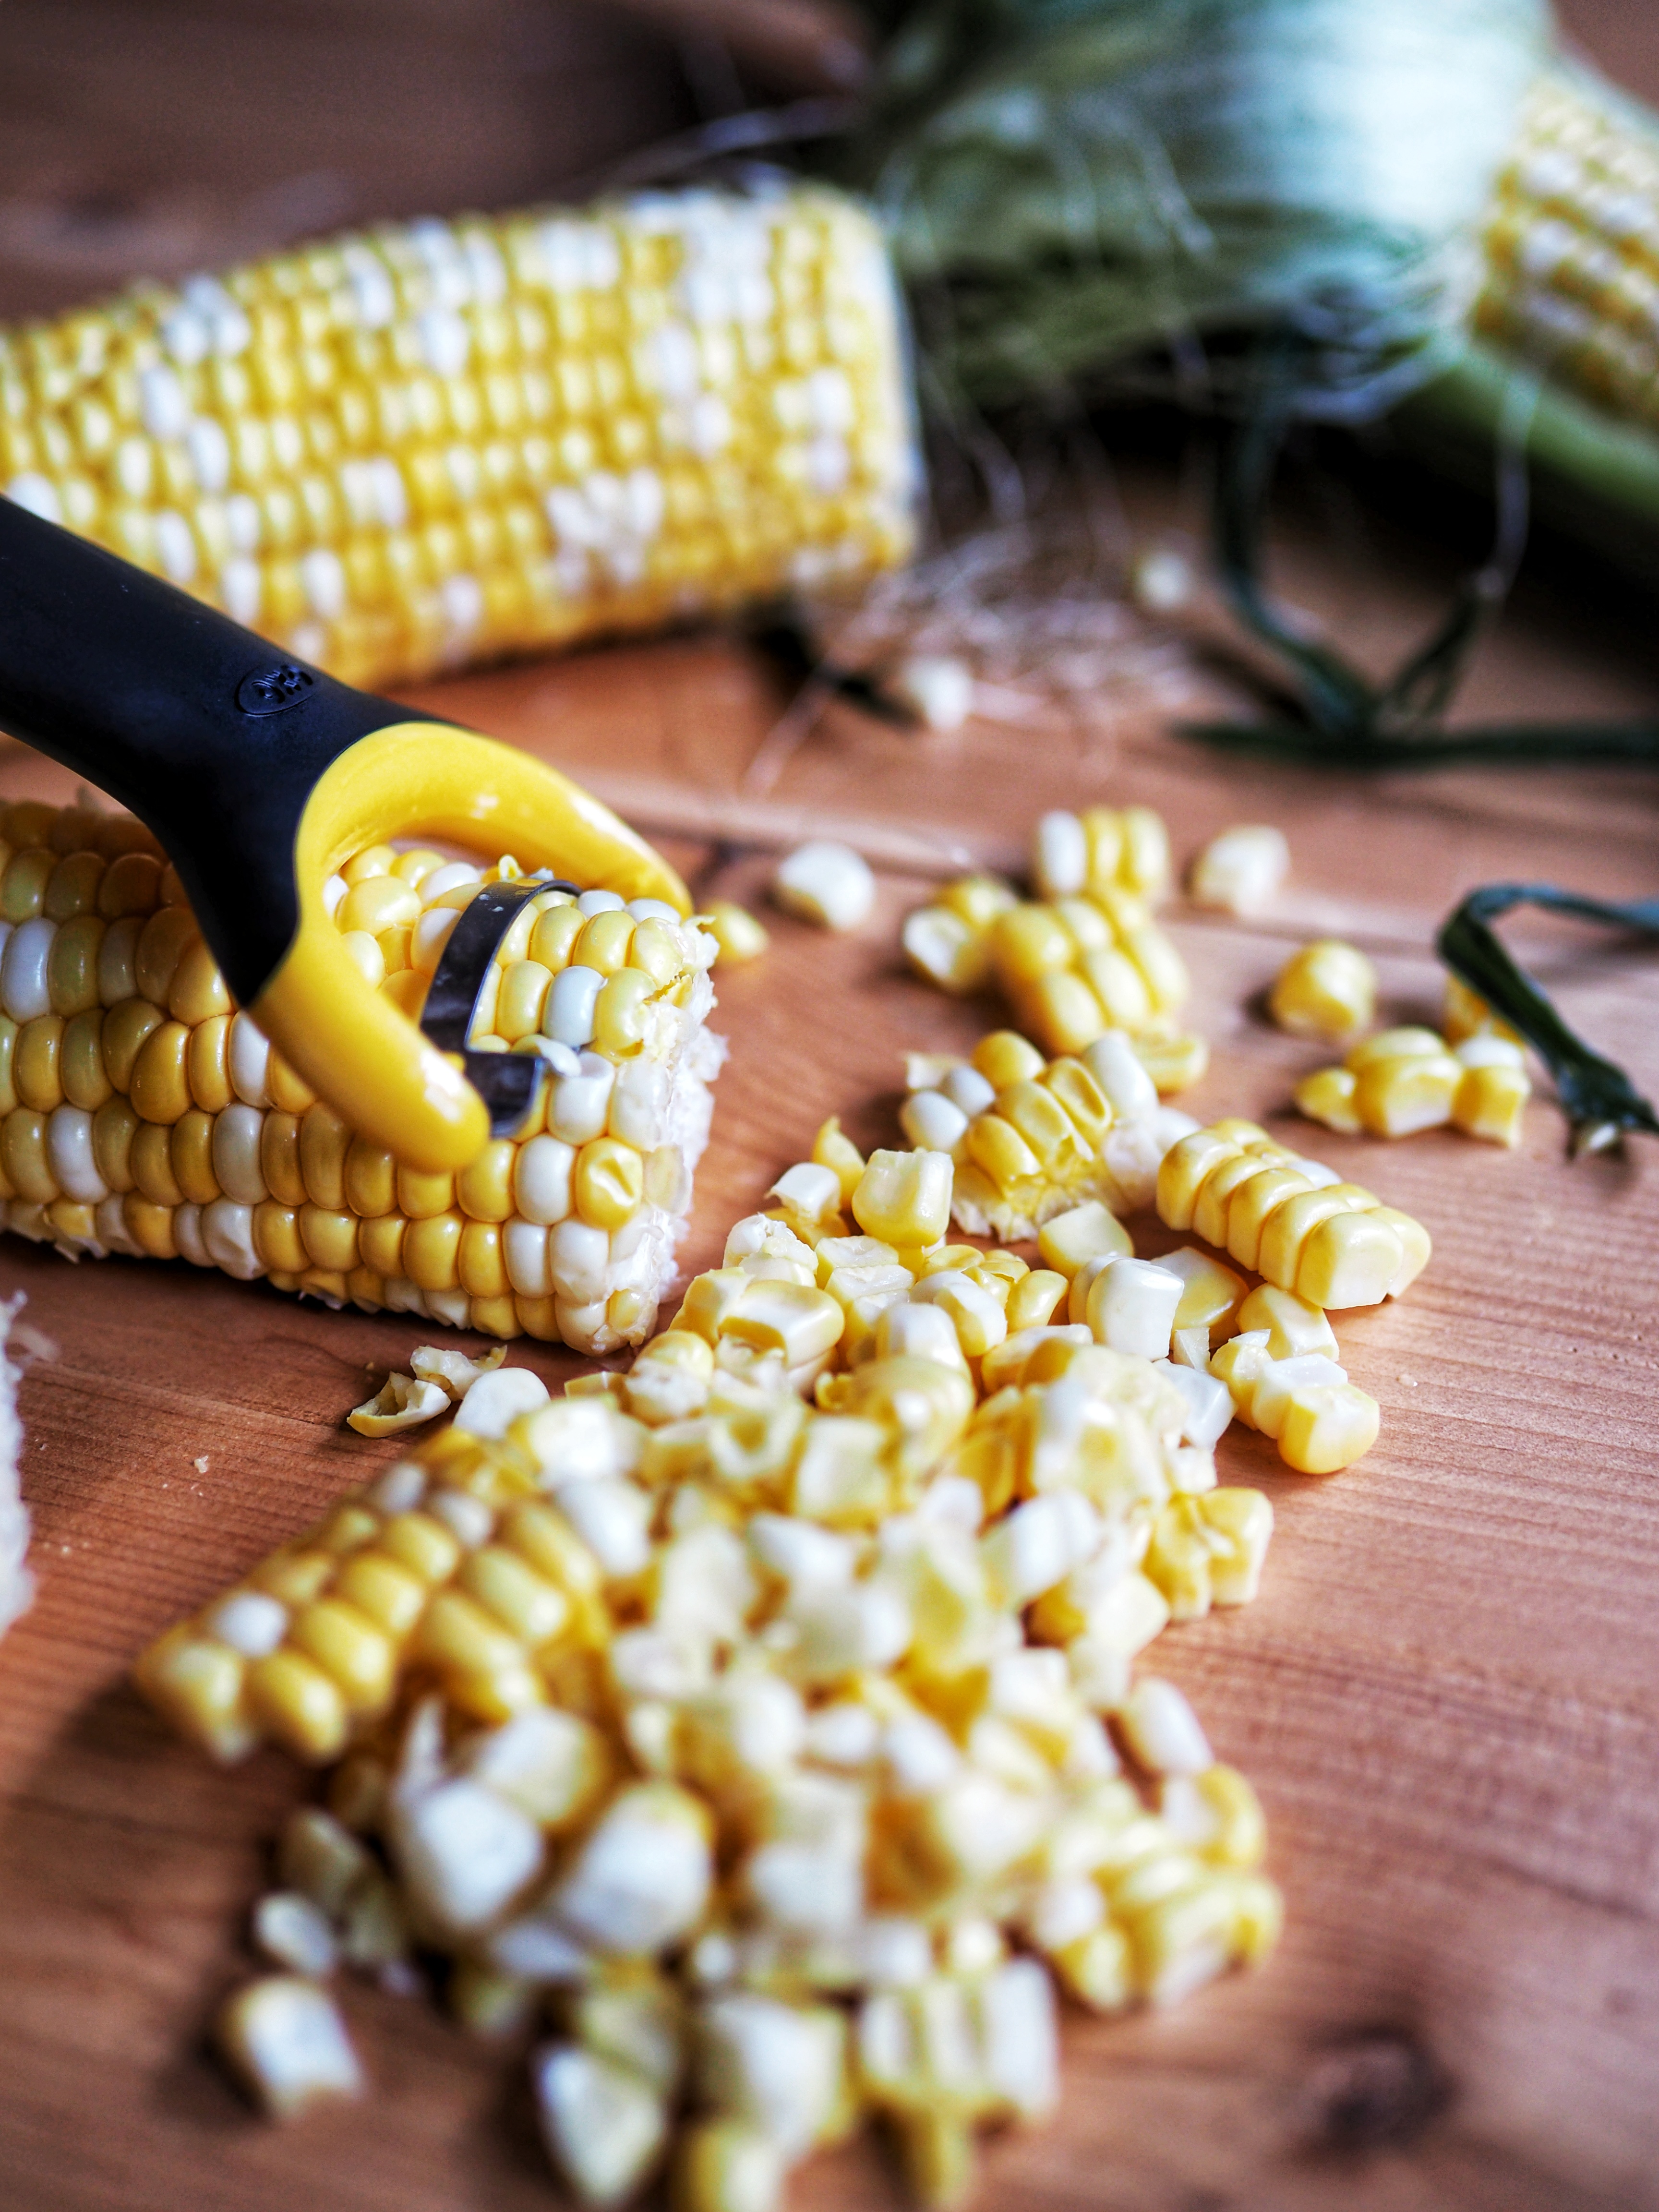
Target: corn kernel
[[1327, 989]]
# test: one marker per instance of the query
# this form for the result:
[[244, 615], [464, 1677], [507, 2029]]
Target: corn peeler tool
[[260, 776]]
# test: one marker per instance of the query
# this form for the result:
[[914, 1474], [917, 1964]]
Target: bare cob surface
[[144, 1114], [784, 1755], [438, 441]]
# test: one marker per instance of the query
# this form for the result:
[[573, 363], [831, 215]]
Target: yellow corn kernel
[[1029, 941], [1491, 1102], [1327, 1096], [946, 949], [151, 1159], [190, 1155], [1174, 1064], [553, 940], [1348, 1259], [1252, 1205], [161, 945], [1035, 1299], [997, 1146], [324, 1141], [197, 992], [351, 1651], [35, 1074], [1004, 1057], [86, 1083], [384, 1592], [621, 1012], [605, 941], [833, 1149], [72, 965], [1034, 1111], [1465, 1015], [113, 1128], [1086, 1232], [1294, 1325], [1118, 986], [127, 1028], [739, 935], [207, 1067], [1396, 1097], [608, 1181], [1210, 1209], [1327, 989], [1061, 1008], [1287, 1229], [483, 1189], [530, 1608], [160, 1088], [1327, 1427], [423, 1197], [904, 1198], [1182, 1172], [299, 1704], [431, 1251]]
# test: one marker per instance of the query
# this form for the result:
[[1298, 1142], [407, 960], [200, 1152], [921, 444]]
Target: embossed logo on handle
[[273, 691]]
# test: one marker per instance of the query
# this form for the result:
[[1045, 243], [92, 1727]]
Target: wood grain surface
[[1448, 1692]]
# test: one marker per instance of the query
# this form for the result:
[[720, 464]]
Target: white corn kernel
[[1161, 1730], [1132, 1307], [285, 2037], [1060, 855], [1241, 870], [826, 883], [938, 687], [291, 1932], [604, 2125]]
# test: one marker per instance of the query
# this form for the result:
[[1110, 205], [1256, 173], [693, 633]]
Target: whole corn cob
[[747, 1732], [142, 1114], [432, 442]]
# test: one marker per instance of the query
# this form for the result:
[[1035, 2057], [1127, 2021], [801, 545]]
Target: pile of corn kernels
[[763, 1727]]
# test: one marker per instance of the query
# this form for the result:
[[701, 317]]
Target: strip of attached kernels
[[1287, 1218], [143, 1114], [1031, 1138], [1407, 1079], [409, 447]]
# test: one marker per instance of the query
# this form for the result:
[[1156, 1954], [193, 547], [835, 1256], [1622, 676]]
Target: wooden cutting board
[[1448, 1692]]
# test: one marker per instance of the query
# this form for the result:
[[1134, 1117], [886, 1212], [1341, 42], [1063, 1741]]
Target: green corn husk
[[1598, 1098]]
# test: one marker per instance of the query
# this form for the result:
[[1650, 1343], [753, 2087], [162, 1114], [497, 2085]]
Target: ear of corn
[[437, 441], [142, 1114], [1572, 247], [747, 1732]]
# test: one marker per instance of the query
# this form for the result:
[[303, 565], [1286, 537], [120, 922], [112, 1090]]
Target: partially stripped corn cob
[[752, 1730], [1085, 958], [144, 1114], [431, 442], [1032, 1138], [1291, 1221]]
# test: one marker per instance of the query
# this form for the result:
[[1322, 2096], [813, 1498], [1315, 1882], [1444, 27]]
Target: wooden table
[[1447, 1692]]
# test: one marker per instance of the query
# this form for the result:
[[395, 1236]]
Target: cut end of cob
[[443, 441], [16, 1584], [143, 1114]]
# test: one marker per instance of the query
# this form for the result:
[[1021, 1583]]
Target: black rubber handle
[[203, 729]]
